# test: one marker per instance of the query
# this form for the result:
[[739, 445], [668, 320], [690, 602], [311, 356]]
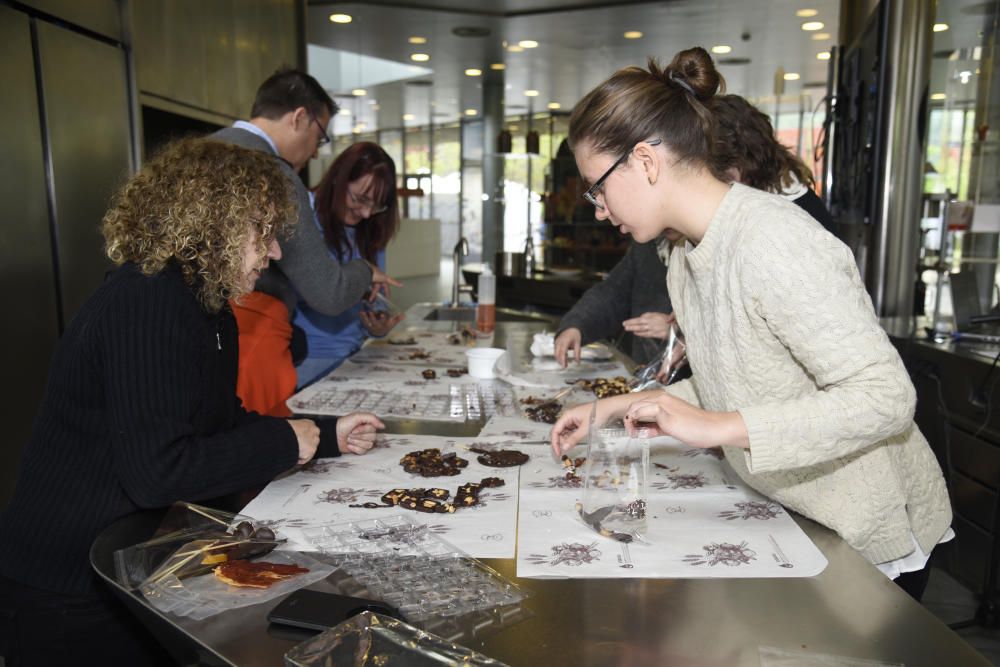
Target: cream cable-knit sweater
[[780, 328]]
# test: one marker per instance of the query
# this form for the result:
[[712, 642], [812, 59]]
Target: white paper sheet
[[703, 523], [321, 494]]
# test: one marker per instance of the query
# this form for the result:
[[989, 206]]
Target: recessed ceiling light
[[633, 34], [721, 48], [809, 26], [514, 48], [408, 116], [527, 43], [823, 55], [531, 93], [345, 112], [417, 40], [419, 57], [791, 76], [359, 92], [340, 18], [471, 112], [938, 96], [554, 105], [806, 13], [940, 27], [498, 67], [472, 71], [819, 36]]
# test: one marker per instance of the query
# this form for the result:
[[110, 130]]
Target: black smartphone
[[316, 610]]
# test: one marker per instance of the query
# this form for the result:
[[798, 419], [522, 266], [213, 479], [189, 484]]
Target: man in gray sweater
[[288, 119]]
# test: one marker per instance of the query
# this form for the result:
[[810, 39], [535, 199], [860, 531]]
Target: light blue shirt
[[250, 127], [335, 337]]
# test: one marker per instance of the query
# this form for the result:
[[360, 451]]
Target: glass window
[[446, 185]]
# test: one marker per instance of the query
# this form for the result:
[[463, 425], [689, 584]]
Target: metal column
[[493, 191]]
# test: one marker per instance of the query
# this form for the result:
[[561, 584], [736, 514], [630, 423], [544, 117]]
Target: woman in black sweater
[[140, 409]]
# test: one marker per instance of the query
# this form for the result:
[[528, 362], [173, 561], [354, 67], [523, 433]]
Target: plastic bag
[[372, 639], [174, 570], [615, 483], [665, 366]]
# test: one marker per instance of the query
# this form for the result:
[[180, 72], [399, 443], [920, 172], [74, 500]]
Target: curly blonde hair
[[196, 204]]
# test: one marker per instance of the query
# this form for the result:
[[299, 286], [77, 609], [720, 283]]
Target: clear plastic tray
[[406, 565]]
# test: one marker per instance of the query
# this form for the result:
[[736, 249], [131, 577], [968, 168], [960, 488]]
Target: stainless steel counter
[[851, 609]]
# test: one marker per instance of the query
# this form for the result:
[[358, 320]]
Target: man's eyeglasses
[[324, 138], [366, 202], [591, 194]]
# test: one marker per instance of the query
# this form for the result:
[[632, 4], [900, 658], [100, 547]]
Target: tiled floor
[[950, 601]]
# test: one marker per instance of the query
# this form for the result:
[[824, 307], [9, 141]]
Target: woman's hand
[[650, 325], [356, 432], [570, 339], [378, 323], [669, 415], [381, 282], [307, 434], [574, 422]]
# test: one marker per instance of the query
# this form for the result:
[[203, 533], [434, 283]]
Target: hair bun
[[694, 70]]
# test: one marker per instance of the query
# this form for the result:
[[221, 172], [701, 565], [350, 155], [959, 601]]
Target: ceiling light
[[345, 112], [823, 55], [376, 107], [340, 18], [372, 101], [938, 96], [417, 40], [821, 36], [359, 92], [940, 27], [408, 116], [806, 13], [419, 57], [471, 112], [527, 43], [633, 34], [356, 130], [499, 67], [809, 26], [721, 48], [514, 48], [791, 76], [554, 105], [531, 93], [472, 71]]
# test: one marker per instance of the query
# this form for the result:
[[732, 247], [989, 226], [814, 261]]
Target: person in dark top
[[140, 408], [744, 150]]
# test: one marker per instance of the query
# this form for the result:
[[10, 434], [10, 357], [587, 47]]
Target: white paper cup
[[482, 360]]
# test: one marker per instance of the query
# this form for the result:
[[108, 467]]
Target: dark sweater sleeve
[[328, 447], [155, 390], [600, 311]]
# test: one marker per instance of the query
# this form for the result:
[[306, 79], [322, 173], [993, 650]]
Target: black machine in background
[[858, 141]]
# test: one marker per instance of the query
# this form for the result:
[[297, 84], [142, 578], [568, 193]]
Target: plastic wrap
[[373, 640], [175, 570], [615, 489], [664, 367]]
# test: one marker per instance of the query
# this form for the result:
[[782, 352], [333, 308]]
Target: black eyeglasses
[[324, 138], [366, 202], [591, 194]]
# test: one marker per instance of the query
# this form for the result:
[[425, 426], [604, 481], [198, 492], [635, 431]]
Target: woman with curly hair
[[140, 408]]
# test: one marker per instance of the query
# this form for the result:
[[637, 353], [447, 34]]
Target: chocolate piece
[[604, 387], [492, 482], [457, 372], [431, 463], [429, 374], [547, 412], [501, 458]]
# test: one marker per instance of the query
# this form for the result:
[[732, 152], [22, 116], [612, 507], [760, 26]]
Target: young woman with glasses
[[357, 211], [793, 376]]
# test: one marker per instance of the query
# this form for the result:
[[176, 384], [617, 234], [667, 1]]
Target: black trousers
[[914, 583], [40, 627]]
